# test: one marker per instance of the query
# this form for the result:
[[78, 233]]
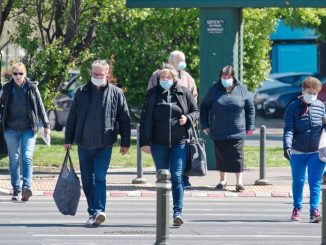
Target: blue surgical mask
[[227, 82], [182, 65], [166, 84]]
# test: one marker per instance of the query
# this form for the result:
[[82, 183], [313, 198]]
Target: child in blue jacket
[[303, 127]]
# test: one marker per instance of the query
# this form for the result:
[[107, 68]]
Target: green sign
[[224, 3]]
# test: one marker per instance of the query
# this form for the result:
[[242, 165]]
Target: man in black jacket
[[96, 111]]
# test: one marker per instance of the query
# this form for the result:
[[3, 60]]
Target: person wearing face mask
[[21, 110], [177, 63], [303, 125], [168, 113], [227, 115], [97, 109]]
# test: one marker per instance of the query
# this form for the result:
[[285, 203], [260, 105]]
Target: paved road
[[132, 221]]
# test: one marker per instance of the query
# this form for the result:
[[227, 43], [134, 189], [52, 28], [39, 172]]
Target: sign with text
[[215, 26]]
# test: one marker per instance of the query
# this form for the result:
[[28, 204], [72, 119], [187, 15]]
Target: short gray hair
[[101, 63], [175, 55]]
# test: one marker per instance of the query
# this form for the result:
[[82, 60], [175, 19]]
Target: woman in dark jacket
[[169, 112], [303, 125], [21, 110], [227, 114]]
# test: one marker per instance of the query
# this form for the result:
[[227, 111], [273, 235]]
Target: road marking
[[176, 236]]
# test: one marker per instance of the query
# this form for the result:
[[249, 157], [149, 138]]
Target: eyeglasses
[[18, 73], [98, 75]]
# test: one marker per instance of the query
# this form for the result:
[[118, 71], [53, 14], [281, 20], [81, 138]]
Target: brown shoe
[[27, 193]]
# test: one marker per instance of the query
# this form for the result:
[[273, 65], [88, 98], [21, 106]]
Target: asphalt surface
[[133, 221]]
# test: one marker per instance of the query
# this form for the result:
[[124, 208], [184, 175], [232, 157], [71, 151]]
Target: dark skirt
[[229, 155]]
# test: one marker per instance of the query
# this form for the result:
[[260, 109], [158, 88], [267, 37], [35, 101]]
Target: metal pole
[[163, 189], [139, 179], [0, 69], [262, 180], [323, 225]]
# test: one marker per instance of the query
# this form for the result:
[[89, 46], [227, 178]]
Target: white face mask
[[309, 98], [98, 82]]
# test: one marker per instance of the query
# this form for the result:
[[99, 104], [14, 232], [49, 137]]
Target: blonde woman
[[169, 111], [21, 109]]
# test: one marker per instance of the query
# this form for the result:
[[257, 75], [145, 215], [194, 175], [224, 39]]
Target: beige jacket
[[186, 80]]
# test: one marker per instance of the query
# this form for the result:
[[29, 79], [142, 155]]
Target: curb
[[187, 194]]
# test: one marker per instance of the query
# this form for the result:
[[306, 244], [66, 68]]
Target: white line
[[241, 214], [176, 236]]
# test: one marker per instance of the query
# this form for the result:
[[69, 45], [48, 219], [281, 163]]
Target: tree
[[57, 34]]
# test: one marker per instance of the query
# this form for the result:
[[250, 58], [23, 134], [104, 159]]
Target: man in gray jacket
[[96, 112]]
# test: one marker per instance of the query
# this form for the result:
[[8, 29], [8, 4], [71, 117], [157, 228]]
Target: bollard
[[323, 225], [262, 180], [140, 179], [163, 189]]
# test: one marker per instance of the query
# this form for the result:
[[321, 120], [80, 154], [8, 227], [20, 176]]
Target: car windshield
[[292, 79], [73, 86]]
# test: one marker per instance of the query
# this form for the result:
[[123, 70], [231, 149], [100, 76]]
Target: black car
[[278, 91], [58, 117]]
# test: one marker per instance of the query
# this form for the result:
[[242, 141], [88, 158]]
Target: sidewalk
[[119, 184]]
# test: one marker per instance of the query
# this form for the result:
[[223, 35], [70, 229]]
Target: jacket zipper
[[170, 118]]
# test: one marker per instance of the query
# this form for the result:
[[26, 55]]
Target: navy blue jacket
[[302, 130], [227, 115]]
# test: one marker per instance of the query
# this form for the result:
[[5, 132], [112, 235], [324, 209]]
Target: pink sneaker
[[296, 214], [315, 216]]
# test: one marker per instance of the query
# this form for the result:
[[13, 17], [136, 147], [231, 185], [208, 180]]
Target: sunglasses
[[18, 73]]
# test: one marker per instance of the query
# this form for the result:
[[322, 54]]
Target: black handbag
[[67, 190], [196, 161]]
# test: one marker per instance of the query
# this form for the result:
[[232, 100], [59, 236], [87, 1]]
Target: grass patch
[[52, 157]]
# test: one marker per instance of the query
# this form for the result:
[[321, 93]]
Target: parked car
[[279, 90], [58, 117]]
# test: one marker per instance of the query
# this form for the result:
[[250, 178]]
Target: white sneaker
[[99, 218], [90, 220], [177, 221]]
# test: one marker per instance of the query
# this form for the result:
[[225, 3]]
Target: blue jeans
[[20, 146], [299, 163], [94, 165], [172, 158]]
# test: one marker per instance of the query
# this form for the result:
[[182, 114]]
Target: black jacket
[[188, 106], [36, 109], [115, 113]]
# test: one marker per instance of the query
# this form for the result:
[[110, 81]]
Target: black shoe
[[186, 185], [239, 188], [15, 196], [221, 186]]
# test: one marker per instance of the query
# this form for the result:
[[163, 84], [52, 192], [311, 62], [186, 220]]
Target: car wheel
[[54, 124]]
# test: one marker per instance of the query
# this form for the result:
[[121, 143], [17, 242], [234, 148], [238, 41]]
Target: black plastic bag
[[197, 161], [67, 190]]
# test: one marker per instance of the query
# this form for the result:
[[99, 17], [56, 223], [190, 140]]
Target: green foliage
[[138, 39], [141, 40], [258, 25]]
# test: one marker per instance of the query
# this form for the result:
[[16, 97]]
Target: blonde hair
[[19, 66], [311, 83], [167, 72]]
